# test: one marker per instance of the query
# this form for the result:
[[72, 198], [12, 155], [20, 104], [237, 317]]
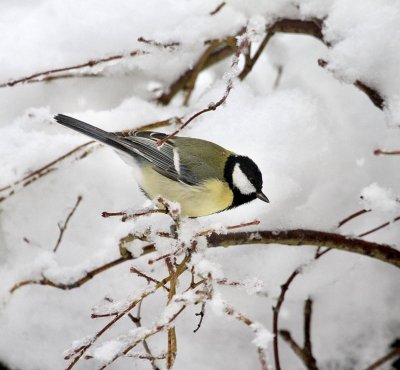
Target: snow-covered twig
[[77, 355], [243, 41], [138, 322], [55, 164], [262, 335], [48, 168], [37, 77]]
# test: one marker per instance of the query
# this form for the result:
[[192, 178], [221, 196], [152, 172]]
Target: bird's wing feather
[[165, 158]]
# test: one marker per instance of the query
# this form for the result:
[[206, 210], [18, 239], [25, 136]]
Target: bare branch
[[305, 354], [392, 354], [138, 322], [301, 237], [201, 314], [42, 171], [148, 278], [218, 8], [65, 225], [353, 215], [229, 85], [372, 94], [379, 227], [229, 310], [276, 310], [82, 350], [87, 277], [385, 152], [91, 63], [168, 45]]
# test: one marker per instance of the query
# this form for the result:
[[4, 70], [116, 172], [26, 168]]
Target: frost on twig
[[181, 244]]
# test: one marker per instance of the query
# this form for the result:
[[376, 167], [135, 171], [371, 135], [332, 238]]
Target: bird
[[203, 177]]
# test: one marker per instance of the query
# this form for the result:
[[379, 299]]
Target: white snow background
[[313, 137]]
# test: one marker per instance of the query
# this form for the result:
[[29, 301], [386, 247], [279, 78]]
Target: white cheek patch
[[241, 181], [177, 164]]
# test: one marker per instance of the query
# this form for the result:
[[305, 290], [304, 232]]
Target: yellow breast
[[210, 197]]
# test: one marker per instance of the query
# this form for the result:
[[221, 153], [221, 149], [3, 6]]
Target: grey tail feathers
[[89, 130]]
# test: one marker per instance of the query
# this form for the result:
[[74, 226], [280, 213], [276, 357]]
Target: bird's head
[[245, 180]]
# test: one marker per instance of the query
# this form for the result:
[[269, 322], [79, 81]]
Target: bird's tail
[[96, 133]]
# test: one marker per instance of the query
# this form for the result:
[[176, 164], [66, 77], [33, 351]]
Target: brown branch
[[392, 354], [78, 355], [305, 353], [50, 167], [353, 215], [250, 62], [91, 63], [379, 227], [301, 237], [87, 277], [213, 106], [65, 225], [385, 152], [279, 72], [168, 45], [372, 94], [138, 322], [148, 278], [223, 49], [42, 171], [201, 314], [229, 310], [276, 310], [218, 8]]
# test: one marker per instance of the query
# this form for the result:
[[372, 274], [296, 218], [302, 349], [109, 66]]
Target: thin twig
[[138, 322], [201, 314], [372, 94], [392, 354], [148, 278], [77, 356], [49, 167], [305, 354], [229, 310], [279, 72], [218, 8], [353, 215], [276, 310], [386, 152], [168, 45], [213, 106], [379, 227], [87, 277], [91, 63], [65, 225]]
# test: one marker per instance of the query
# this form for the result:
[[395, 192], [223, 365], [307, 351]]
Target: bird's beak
[[260, 195]]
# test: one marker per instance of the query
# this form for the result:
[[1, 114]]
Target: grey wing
[[165, 158]]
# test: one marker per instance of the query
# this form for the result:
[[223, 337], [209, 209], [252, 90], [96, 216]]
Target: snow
[[375, 197], [263, 336], [311, 132]]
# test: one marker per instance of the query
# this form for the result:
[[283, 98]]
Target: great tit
[[200, 175]]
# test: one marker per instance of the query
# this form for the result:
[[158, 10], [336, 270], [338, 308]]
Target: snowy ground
[[313, 136]]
